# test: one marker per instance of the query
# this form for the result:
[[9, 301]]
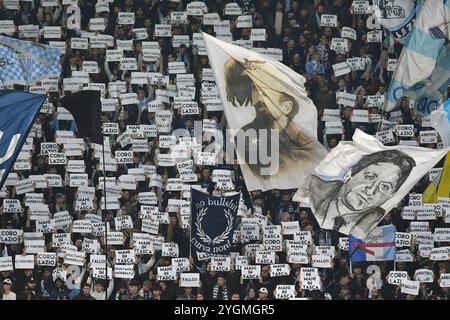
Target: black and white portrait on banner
[[265, 103], [358, 182]]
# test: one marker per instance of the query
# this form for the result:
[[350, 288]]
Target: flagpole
[[106, 221]]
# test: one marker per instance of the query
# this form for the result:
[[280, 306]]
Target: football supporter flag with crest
[[18, 110], [378, 246], [273, 121], [213, 222]]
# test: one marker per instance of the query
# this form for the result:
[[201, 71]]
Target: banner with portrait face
[[273, 123], [359, 181]]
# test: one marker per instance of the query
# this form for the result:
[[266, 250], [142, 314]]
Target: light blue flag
[[423, 69], [18, 110], [25, 62]]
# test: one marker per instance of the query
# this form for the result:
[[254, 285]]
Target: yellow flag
[[430, 193]]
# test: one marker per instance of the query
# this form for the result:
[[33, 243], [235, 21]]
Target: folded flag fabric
[[378, 246], [85, 107]]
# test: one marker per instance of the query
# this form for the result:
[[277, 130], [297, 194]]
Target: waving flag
[[359, 181], [423, 69], [17, 113], [85, 107], [213, 221], [378, 246], [25, 62], [273, 120], [440, 120]]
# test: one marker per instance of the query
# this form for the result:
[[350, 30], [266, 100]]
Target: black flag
[[85, 106]]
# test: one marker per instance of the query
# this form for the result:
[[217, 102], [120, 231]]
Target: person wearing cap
[[8, 294], [263, 293], [133, 290]]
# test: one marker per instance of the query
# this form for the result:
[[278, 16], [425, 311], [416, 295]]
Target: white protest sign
[[284, 291], [24, 262], [402, 239], [6, 264], [166, 273], [396, 277], [404, 130], [126, 18], [428, 136], [360, 116], [385, 136], [310, 279], [244, 21], [334, 127], [321, 261], [410, 287], [76, 258], [47, 259], [250, 271], [424, 275], [341, 68]]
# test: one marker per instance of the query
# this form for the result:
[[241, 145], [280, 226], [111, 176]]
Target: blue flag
[[213, 221], [25, 62], [378, 246], [18, 110]]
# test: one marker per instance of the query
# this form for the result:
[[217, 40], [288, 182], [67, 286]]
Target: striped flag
[[378, 246]]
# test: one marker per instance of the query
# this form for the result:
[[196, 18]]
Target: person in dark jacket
[[85, 293]]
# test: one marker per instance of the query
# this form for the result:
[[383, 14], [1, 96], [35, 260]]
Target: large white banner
[[262, 94], [359, 181]]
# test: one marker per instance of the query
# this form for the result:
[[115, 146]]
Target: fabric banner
[[378, 246], [273, 121], [359, 181], [214, 219], [25, 62], [423, 69], [18, 110]]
